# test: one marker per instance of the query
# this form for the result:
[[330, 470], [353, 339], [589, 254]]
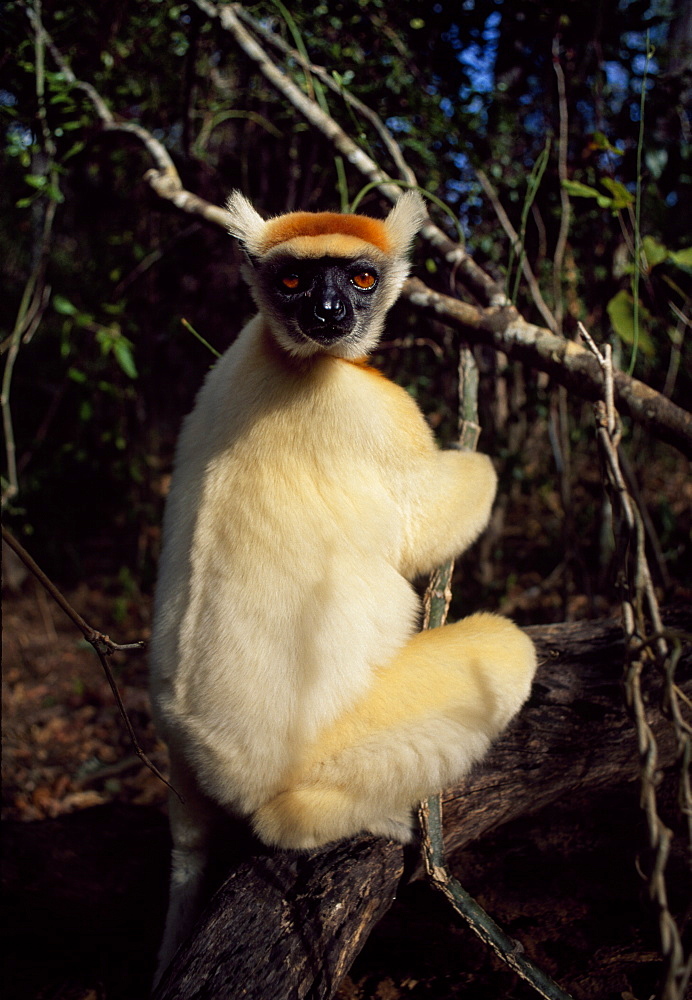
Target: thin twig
[[481, 284], [513, 235], [97, 639], [566, 207], [436, 605], [676, 339], [640, 606], [102, 644], [36, 293], [388, 140], [506, 948]]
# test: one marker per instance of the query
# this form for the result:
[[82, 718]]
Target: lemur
[[287, 673]]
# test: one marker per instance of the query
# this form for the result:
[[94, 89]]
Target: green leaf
[[654, 252], [77, 147], [601, 141], [64, 306], [122, 349], [621, 314], [55, 194], [579, 190], [683, 258], [621, 196], [37, 181]]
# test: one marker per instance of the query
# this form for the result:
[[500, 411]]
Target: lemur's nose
[[329, 307]]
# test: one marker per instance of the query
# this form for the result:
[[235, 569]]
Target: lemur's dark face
[[325, 300], [323, 281]]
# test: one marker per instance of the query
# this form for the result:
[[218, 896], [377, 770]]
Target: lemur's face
[[323, 281], [323, 301]]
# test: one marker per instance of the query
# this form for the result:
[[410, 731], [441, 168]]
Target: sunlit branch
[[501, 326], [478, 282]]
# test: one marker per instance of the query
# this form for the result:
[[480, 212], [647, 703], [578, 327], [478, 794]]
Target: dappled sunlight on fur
[[308, 492]]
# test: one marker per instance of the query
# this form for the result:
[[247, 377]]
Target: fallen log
[[289, 924]]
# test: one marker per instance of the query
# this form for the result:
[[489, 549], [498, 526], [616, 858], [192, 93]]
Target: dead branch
[[568, 363], [288, 925], [102, 644], [500, 325]]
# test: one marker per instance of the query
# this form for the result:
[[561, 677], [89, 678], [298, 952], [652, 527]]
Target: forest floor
[[85, 850]]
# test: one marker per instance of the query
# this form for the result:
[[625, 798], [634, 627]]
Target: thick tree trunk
[[289, 925]]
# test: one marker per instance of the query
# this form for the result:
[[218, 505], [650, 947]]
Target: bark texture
[[289, 925]]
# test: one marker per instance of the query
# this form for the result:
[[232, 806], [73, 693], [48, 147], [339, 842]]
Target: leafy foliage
[[98, 388]]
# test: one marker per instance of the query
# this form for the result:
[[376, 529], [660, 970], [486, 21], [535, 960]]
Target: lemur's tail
[[430, 714]]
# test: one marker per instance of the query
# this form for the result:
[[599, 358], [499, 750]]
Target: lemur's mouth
[[328, 333]]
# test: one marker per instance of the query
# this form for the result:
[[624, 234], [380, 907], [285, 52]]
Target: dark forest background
[[568, 121], [107, 370]]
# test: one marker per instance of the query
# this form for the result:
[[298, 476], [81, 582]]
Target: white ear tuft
[[244, 222], [405, 219]]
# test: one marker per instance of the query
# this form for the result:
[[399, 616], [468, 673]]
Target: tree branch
[[568, 363], [289, 924], [102, 644], [478, 282], [499, 325]]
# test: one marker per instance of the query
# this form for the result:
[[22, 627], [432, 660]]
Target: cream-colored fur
[[287, 675]]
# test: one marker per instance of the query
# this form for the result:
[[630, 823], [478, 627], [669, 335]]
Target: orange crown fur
[[288, 227]]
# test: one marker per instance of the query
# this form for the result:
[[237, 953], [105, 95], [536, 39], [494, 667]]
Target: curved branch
[[164, 178], [476, 280], [568, 362], [500, 326], [388, 140]]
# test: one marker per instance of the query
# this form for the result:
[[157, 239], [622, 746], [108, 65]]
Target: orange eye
[[290, 281], [364, 280]]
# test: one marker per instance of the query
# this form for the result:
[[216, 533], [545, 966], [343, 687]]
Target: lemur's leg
[[429, 715], [192, 824]]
